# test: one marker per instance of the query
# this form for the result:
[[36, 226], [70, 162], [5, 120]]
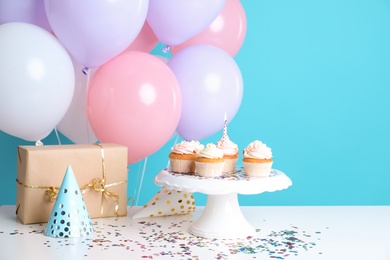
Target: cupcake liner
[[182, 166], [230, 165], [257, 169], [205, 169]]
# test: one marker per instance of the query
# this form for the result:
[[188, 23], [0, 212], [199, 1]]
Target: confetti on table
[[172, 240]]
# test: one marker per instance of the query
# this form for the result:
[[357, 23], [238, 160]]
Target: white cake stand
[[222, 217]]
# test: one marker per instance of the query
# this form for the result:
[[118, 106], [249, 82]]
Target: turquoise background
[[316, 90]]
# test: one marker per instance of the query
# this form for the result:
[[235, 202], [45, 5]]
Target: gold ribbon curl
[[97, 184], [51, 191]]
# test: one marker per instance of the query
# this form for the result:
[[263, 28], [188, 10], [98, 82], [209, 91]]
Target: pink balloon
[[134, 100], [226, 32], [145, 41]]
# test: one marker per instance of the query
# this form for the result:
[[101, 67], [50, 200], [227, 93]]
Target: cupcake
[[257, 159], [182, 156], [210, 161], [230, 152]]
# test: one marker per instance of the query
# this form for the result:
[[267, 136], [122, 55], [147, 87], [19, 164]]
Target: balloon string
[[142, 179], [57, 135], [85, 111]]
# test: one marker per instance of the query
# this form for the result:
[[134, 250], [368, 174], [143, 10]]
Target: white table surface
[[281, 233]]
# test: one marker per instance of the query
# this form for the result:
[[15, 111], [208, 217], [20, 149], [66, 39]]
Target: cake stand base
[[222, 218]]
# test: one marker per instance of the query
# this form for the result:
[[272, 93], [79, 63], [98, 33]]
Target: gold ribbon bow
[[99, 185]]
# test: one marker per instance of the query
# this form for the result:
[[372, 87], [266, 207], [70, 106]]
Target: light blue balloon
[[211, 85]]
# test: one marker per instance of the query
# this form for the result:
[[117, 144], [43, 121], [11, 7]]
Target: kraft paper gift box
[[100, 171]]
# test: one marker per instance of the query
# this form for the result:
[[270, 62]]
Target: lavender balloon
[[211, 85], [26, 11], [175, 21], [96, 31]]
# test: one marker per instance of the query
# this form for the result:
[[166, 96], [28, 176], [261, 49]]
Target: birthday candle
[[224, 136]]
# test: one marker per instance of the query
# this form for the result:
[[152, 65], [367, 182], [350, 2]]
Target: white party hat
[[69, 216], [168, 202]]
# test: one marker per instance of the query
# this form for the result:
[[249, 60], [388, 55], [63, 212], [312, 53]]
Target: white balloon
[[75, 125], [36, 81]]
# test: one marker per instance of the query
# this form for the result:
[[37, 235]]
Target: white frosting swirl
[[227, 146], [257, 150], [211, 151], [187, 147]]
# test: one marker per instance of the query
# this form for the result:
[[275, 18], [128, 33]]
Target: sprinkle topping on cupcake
[[257, 150], [211, 151], [187, 147], [226, 145]]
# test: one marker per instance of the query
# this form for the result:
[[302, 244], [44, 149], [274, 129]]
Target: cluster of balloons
[[85, 68]]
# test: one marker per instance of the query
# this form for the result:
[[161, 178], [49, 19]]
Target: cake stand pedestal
[[222, 216]]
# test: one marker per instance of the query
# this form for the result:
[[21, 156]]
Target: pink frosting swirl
[[187, 147], [227, 146], [257, 150]]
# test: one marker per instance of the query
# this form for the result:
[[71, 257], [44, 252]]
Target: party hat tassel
[[69, 217]]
